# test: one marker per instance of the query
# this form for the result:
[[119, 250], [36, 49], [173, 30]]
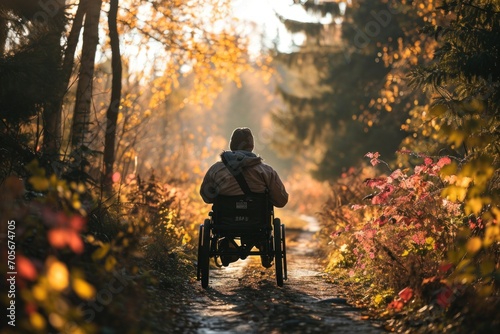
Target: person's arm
[[208, 190], [277, 191]]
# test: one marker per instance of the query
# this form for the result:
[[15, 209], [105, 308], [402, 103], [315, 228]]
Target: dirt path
[[244, 298]]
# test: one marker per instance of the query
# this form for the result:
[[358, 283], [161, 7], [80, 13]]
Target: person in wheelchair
[[258, 176]]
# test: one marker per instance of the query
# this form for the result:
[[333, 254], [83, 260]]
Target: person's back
[[258, 175]]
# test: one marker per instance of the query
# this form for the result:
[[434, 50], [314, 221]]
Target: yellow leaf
[[378, 299], [77, 204], [39, 183], [474, 205], [491, 235], [56, 320], [487, 267], [476, 106], [485, 291], [456, 137], [449, 169], [496, 212], [465, 278], [83, 289], [101, 252], [57, 274], [438, 110], [462, 266], [454, 193], [110, 263], [474, 245], [39, 292], [34, 168], [37, 321]]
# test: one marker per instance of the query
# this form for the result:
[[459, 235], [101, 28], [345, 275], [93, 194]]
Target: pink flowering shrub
[[420, 231]]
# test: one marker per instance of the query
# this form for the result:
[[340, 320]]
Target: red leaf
[[57, 237], [445, 267], [378, 183], [396, 174], [406, 294], [445, 298], [443, 162], [25, 268], [396, 305], [372, 155], [116, 177], [77, 223], [75, 242]]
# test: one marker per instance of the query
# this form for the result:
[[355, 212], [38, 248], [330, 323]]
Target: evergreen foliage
[[343, 120], [465, 75]]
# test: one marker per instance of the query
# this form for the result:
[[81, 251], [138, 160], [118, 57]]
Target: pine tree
[[332, 85], [463, 85]]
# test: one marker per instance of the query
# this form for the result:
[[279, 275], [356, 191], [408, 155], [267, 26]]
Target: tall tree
[[463, 80], [30, 35], [116, 89], [52, 141], [81, 115], [335, 111]]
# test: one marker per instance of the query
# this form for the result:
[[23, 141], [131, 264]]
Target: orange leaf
[[57, 237], [75, 242], [77, 222], [406, 294], [25, 268]]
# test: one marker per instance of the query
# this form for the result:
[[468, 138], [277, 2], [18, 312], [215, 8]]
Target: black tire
[[278, 254], [283, 238], [200, 242], [204, 253]]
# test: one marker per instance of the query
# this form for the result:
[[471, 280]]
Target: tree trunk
[[3, 34], [114, 106], [53, 111], [81, 114], [51, 115]]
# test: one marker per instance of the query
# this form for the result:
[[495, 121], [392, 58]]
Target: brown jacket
[[259, 176]]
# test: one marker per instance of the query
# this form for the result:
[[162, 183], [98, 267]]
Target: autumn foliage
[[420, 237]]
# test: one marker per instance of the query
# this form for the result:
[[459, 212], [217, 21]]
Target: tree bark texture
[[81, 115], [53, 112], [56, 18], [114, 106]]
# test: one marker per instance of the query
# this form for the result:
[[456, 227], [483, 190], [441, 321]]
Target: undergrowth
[[420, 244], [85, 264]]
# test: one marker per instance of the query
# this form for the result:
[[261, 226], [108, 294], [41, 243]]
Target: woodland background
[[381, 117]]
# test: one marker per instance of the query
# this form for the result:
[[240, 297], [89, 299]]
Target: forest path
[[244, 298]]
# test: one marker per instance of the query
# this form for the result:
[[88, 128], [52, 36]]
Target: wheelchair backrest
[[244, 210]]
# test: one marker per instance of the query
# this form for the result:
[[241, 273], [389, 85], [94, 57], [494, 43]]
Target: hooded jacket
[[259, 176]]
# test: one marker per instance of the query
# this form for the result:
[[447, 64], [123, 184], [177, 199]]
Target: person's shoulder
[[216, 166], [265, 167]]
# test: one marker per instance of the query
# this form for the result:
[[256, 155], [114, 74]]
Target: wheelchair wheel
[[278, 251], [204, 253], [283, 242]]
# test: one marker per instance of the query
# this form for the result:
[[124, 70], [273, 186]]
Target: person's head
[[241, 139]]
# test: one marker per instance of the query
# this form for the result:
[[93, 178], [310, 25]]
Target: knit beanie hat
[[241, 139]]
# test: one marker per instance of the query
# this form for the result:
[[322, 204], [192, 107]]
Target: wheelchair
[[242, 222]]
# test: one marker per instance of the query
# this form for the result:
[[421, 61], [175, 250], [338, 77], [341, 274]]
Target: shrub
[[429, 232]]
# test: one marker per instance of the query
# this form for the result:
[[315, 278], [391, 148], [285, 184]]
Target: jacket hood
[[238, 160]]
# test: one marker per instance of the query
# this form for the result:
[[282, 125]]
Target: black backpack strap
[[238, 175]]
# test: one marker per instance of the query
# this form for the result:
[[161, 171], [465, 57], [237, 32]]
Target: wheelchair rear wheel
[[204, 253], [279, 251]]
